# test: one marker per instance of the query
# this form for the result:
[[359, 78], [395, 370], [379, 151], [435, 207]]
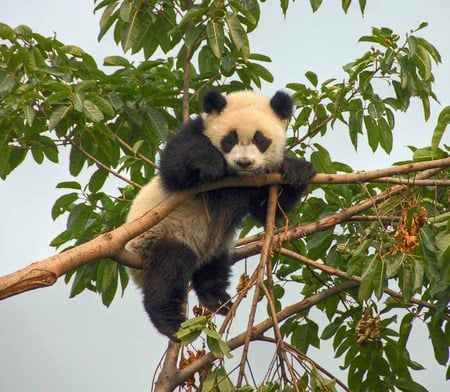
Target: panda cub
[[242, 134]]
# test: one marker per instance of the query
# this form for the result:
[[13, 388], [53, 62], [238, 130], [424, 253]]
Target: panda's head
[[249, 129]]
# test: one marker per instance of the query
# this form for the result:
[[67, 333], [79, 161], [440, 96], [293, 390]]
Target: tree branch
[[265, 256], [333, 271], [303, 230], [259, 329], [45, 272]]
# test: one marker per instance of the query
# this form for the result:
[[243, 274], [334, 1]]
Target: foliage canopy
[[112, 120]]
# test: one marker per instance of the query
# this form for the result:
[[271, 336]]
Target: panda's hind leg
[[210, 283], [168, 268]]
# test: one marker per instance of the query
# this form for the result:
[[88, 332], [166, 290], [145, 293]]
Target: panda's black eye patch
[[228, 142], [260, 141]]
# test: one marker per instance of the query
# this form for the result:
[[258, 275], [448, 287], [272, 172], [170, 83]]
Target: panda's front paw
[[296, 172], [220, 305], [210, 171]]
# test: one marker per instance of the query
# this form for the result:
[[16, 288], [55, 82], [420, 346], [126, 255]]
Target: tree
[[360, 240]]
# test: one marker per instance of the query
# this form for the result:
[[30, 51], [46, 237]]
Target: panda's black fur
[[241, 134]]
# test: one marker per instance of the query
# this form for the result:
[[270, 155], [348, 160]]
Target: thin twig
[[265, 325], [308, 359], [103, 166], [137, 153]]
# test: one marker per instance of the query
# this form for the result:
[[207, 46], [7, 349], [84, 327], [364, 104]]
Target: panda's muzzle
[[244, 163]]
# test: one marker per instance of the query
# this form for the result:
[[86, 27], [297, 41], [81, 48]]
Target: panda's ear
[[213, 101], [282, 105]]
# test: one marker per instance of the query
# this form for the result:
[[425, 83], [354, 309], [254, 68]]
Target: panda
[[240, 134]]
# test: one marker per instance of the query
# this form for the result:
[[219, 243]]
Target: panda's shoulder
[[193, 126]]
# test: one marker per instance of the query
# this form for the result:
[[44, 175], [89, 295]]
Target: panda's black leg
[[169, 266], [210, 282]]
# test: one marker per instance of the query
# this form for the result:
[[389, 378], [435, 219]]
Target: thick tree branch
[[45, 272]]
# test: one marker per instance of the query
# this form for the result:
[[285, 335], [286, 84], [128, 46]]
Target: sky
[[51, 343]]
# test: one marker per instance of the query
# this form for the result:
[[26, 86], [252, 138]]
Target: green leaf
[[442, 123], [430, 49], [210, 383], [132, 33], [124, 278], [261, 71], [61, 239], [423, 62], [330, 329], [367, 278], [68, 185], [224, 383], [191, 329], [373, 134], [117, 61], [385, 134], [217, 345], [346, 4], [97, 180], [7, 82], [102, 104], [238, 34], [6, 32], [82, 278], [73, 50], [63, 203], [216, 39], [107, 19], [5, 154], [109, 294], [218, 381], [312, 77], [58, 97], [408, 280], [57, 115], [78, 219], [315, 4], [38, 155], [355, 121], [379, 278], [92, 111], [76, 161], [284, 6], [30, 114], [408, 385], [362, 5], [107, 281], [305, 335], [322, 160], [157, 123], [404, 332]]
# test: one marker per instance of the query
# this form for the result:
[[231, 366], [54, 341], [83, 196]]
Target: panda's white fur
[[240, 134]]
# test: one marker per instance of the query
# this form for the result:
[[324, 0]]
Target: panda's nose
[[244, 162]]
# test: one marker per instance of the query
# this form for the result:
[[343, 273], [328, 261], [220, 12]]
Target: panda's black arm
[[189, 159], [297, 174]]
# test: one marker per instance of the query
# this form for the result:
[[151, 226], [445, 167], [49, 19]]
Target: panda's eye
[[260, 141], [228, 142]]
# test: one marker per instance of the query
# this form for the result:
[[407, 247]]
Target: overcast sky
[[50, 343]]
